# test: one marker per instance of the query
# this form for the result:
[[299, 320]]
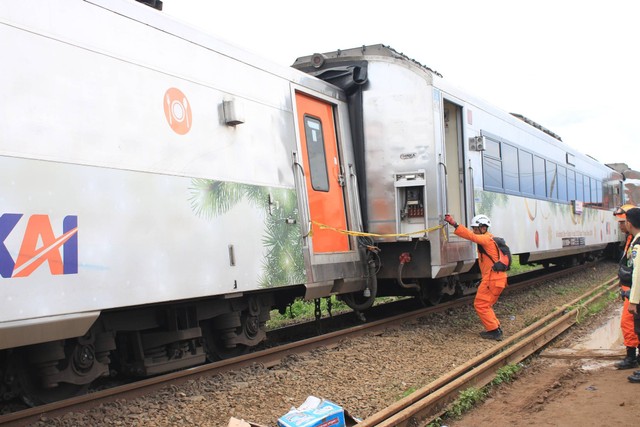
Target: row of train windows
[[512, 170]]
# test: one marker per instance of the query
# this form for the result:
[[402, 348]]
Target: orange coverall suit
[[626, 319], [493, 282]]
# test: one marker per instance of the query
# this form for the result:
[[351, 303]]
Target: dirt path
[[562, 392]]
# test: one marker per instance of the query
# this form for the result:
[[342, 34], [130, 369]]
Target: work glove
[[449, 219]]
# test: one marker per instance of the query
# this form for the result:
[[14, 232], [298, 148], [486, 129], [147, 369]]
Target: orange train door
[[323, 176]]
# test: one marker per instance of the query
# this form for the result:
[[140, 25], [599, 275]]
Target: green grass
[[407, 392], [593, 308], [301, 311], [517, 268], [470, 397]]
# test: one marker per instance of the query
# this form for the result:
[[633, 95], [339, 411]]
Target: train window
[[579, 187], [607, 195], [492, 173], [552, 180], [571, 185], [492, 165], [492, 148], [562, 183], [315, 151], [594, 191], [510, 168], [539, 177], [525, 161], [587, 190]]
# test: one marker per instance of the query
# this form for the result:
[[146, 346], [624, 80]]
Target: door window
[[317, 156]]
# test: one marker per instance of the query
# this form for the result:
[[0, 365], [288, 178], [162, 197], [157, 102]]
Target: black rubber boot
[[496, 334], [634, 378], [629, 362]]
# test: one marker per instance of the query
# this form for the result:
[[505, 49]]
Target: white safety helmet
[[479, 220]]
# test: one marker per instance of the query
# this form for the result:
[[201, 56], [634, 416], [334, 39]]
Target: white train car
[[159, 187], [631, 183], [165, 190], [425, 148]]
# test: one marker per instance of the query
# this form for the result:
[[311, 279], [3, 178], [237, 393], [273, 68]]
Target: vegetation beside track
[[302, 310]]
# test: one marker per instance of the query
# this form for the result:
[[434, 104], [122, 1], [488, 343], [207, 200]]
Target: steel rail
[[267, 358], [419, 408]]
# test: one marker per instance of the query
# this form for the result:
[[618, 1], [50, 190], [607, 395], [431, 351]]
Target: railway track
[[422, 406], [267, 357]]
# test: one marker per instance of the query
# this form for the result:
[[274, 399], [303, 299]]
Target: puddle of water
[[607, 336], [596, 365]]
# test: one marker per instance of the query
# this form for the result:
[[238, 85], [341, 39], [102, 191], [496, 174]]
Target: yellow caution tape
[[363, 234]]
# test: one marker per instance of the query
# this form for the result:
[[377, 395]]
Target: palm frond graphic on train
[[164, 190]]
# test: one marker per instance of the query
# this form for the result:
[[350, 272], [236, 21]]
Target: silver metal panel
[[398, 123], [25, 332], [89, 133], [140, 239], [540, 256], [96, 105]]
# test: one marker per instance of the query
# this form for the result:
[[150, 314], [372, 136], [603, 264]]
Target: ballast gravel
[[363, 375]]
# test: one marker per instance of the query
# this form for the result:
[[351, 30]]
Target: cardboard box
[[315, 412]]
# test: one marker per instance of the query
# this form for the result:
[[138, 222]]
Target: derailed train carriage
[[424, 148], [165, 190]]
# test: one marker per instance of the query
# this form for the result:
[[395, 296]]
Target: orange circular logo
[[177, 111]]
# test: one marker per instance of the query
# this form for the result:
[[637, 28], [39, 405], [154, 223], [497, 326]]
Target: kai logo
[[39, 246]]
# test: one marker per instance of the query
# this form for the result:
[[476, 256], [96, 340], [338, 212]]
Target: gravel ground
[[363, 375]]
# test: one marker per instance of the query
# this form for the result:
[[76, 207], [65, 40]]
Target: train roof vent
[[537, 126]]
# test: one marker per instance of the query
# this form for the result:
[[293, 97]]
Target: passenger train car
[[425, 148], [163, 190]]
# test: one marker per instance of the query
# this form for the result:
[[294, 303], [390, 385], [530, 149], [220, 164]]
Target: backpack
[[504, 255], [625, 271]]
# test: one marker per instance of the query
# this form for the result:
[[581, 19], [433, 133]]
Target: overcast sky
[[572, 66]]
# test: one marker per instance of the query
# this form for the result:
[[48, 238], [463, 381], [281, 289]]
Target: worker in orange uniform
[[629, 336], [493, 282], [632, 267]]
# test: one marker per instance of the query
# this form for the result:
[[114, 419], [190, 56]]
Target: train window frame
[[510, 168], [571, 189], [318, 170], [594, 191], [539, 177], [579, 186], [551, 171], [522, 162], [549, 180], [586, 185], [562, 183], [492, 165]]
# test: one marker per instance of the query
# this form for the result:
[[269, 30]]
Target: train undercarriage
[[151, 340], [136, 342]]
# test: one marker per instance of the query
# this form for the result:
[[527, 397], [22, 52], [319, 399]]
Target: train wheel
[[29, 384], [56, 370], [430, 295], [214, 343], [217, 351]]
